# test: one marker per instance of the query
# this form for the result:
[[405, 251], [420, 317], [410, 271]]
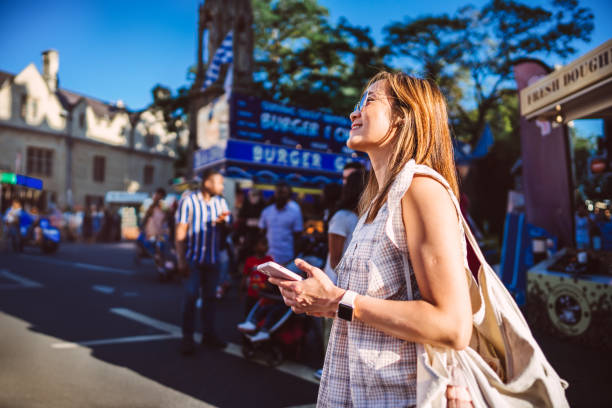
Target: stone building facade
[[79, 146]]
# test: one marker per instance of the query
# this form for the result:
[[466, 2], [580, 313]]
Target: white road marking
[[21, 281], [148, 321], [118, 340], [130, 294], [173, 331], [79, 265], [107, 290], [297, 370]]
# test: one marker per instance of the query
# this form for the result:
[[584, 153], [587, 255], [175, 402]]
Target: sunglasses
[[362, 102]]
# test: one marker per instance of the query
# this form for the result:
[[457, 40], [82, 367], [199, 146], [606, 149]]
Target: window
[[24, 106], [82, 121], [149, 140], [39, 161], [148, 174], [99, 167]]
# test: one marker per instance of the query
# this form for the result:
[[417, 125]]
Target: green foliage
[[471, 54], [301, 59], [294, 55]]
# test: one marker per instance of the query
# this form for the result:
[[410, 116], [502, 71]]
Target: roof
[[100, 108], [68, 99], [5, 76]]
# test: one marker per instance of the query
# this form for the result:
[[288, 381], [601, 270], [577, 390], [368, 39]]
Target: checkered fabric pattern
[[365, 367]]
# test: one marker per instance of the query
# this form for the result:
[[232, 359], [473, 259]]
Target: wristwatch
[[347, 305]]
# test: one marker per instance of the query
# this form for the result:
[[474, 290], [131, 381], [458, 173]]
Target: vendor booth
[[570, 291], [28, 190], [127, 205], [257, 142]]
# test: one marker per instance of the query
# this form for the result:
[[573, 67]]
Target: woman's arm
[[443, 316], [335, 244]]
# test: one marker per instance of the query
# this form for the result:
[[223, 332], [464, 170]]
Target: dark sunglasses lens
[[362, 102]]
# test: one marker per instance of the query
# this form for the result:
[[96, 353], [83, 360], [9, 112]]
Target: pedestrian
[[282, 223], [351, 167], [11, 220], [199, 220], [248, 222], [402, 279], [339, 234], [154, 227]]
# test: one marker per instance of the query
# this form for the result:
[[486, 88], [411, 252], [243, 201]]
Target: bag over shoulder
[[503, 366]]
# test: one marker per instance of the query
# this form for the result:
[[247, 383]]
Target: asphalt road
[[86, 327]]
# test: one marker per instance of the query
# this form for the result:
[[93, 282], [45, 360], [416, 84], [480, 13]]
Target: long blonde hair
[[418, 109]]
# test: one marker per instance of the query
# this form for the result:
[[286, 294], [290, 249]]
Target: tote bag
[[503, 366]]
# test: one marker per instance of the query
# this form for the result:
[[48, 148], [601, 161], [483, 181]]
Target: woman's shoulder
[[427, 192]]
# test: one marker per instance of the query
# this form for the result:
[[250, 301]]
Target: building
[[79, 146]]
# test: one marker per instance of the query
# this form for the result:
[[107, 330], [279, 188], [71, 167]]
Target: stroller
[[285, 331]]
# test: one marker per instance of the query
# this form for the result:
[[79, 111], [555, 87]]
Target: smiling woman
[[404, 294], [397, 286]]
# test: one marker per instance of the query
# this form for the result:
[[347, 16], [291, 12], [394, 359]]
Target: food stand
[[569, 293], [259, 143], [128, 205]]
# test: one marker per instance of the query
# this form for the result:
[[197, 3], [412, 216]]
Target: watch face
[[345, 312]]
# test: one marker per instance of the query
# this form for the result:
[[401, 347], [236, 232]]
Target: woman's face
[[371, 124]]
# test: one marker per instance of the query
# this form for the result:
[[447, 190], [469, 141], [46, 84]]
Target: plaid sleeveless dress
[[365, 367]]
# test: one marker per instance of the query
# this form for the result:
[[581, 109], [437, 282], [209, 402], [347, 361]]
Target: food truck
[[259, 143], [569, 292]]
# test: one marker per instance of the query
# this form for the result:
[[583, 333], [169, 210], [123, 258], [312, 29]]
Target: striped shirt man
[[203, 236]]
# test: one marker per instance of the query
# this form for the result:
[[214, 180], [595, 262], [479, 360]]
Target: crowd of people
[[207, 233]]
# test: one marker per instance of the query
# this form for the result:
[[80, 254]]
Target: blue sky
[[115, 50]]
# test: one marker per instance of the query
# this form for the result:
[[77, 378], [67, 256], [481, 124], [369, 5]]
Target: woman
[[402, 279], [343, 222]]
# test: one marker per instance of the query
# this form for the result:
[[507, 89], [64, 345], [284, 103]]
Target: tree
[[504, 31], [304, 60], [471, 55], [295, 60], [362, 58], [432, 46]]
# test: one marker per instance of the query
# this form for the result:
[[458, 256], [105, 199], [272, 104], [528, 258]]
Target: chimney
[[50, 68]]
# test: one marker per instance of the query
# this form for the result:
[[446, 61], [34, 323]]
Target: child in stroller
[[268, 326]]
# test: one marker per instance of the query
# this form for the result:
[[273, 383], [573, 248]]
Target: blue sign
[[280, 156], [207, 157], [263, 121], [271, 156]]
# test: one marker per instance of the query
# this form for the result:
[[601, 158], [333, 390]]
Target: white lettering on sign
[[257, 153], [282, 157], [339, 163], [269, 155], [287, 124], [305, 157], [278, 156], [341, 134], [294, 157]]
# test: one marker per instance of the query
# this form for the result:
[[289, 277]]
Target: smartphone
[[275, 270]]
